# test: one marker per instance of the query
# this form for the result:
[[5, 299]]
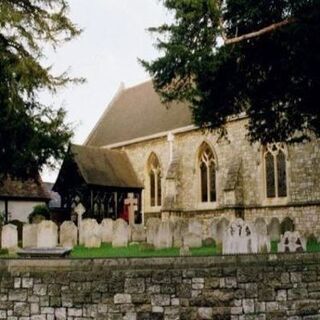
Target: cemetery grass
[[106, 251]]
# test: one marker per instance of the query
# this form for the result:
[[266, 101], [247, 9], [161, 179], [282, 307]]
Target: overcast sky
[[105, 54]]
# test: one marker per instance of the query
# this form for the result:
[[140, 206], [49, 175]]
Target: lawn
[[106, 251]]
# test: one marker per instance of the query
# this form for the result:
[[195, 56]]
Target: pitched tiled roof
[[23, 189], [138, 112], [104, 167]]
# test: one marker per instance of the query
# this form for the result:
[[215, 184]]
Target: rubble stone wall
[[282, 286]]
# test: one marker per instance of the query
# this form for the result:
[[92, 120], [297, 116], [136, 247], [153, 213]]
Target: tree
[[31, 134], [232, 56]]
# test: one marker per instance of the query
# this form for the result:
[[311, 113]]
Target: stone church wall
[[303, 174]]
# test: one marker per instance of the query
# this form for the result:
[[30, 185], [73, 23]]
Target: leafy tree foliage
[[232, 56], [31, 134]]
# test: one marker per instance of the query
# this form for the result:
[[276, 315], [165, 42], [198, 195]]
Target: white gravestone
[[90, 233], [164, 235], [80, 210], [239, 238], [9, 237], [180, 229], [120, 236], [152, 229], [132, 204], [138, 233], [292, 242], [68, 234], [106, 227], [29, 235], [263, 240], [192, 240], [47, 235]]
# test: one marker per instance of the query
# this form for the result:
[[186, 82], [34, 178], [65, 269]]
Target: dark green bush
[[39, 213]]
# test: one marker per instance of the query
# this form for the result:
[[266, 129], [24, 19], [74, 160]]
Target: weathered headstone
[[292, 242], [120, 236], [68, 234], [263, 240], [138, 233], [195, 227], [80, 210], [274, 230], [29, 235], [192, 240], [9, 237], [184, 251], [180, 229], [90, 233], [222, 226], [287, 224], [47, 235], [106, 230], [164, 235], [239, 238], [152, 226], [132, 204]]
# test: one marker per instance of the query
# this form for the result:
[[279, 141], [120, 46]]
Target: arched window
[[275, 170], [154, 172], [207, 174]]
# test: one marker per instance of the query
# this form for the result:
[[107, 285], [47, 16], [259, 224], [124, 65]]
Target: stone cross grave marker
[[79, 210], [132, 203]]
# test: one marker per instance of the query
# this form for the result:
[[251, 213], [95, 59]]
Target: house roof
[[138, 112], [30, 189], [104, 167]]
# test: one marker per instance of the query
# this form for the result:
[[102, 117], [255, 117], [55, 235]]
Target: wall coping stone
[[45, 265]]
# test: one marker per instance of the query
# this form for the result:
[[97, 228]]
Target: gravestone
[[132, 204], [239, 238], [292, 242], [68, 234], [263, 240], [47, 234], [213, 229], [106, 230], [152, 226], [29, 235], [9, 237], [274, 230], [138, 233], [192, 240], [222, 226], [195, 227], [287, 225], [90, 233], [164, 235], [80, 210], [184, 252], [120, 235], [180, 229]]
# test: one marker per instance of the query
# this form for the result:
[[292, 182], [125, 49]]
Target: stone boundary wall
[[274, 286]]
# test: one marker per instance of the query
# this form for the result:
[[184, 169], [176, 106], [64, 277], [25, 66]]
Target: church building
[[176, 169]]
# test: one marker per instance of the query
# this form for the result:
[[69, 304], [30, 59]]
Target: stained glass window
[[207, 174], [154, 181], [275, 171]]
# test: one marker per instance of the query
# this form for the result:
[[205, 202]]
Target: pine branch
[[260, 32]]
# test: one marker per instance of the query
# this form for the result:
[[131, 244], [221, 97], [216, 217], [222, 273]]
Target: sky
[[114, 36]]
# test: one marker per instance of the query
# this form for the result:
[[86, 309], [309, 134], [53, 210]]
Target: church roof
[[29, 189], [104, 167], [138, 112]]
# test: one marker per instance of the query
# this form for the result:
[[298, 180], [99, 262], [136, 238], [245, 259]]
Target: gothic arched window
[[207, 174], [275, 170], [154, 172]]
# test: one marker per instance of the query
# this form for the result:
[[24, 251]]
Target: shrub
[[4, 251], [39, 213]]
